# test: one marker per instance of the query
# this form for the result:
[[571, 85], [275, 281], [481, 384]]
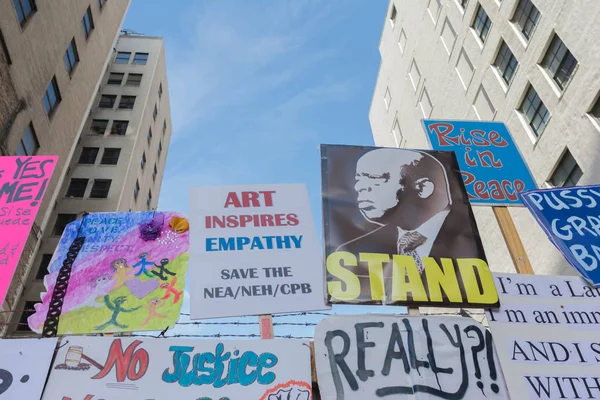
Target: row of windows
[[136, 189], [116, 78], [110, 156], [118, 127], [78, 186], [107, 101], [124, 57]]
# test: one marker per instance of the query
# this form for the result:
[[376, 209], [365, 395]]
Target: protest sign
[[23, 182], [571, 219], [128, 273], [24, 365], [254, 251], [399, 230], [493, 170], [94, 368], [375, 356], [546, 336]]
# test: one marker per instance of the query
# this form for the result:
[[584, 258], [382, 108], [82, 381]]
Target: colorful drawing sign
[[399, 230], [128, 275], [492, 167], [94, 368], [23, 181], [570, 216], [24, 367], [254, 251], [546, 336], [362, 357]]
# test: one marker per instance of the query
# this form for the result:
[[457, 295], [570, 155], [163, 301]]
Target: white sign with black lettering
[[546, 333], [362, 357]]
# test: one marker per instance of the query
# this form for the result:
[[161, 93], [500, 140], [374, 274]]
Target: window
[[506, 63], [29, 144], [595, 111], [559, 62], [100, 189], [155, 112], [127, 102], [159, 148], [43, 268], [143, 160], [29, 311], [393, 15], [154, 172], [119, 128], [534, 111], [526, 17], [51, 97], [88, 155], [160, 90], [136, 190], [98, 126], [4, 48], [76, 187], [164, 126], [62, 220], [115, 78], [123, 57], [140, 58], [482, 23], [101, 3], [110, 156], [567, 173], [71, 56], [25, 8], [107, 101], [87, 22], [149, 135], [134, 80], [149, 198]]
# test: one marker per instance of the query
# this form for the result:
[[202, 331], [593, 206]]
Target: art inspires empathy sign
[[546, 336], [24, 367], [492, 167], [399, 229], [94, 368], [363, 357], [128, 275], [254, 250], [23, 182], [571, 219]]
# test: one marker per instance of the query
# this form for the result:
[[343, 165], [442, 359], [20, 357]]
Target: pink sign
[[23, 181]]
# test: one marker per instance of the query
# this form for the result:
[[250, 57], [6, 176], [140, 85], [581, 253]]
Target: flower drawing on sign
[[116, 276]]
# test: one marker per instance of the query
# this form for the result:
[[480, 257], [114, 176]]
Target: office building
[[532, 64], [52, 56]]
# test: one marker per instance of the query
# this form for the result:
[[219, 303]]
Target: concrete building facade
[[52, 56], [120, 156], [532, 64]]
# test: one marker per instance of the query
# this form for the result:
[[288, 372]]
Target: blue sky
[[255, 87]]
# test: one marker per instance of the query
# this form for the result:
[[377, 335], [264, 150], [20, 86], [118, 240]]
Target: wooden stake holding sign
[[513, 240]]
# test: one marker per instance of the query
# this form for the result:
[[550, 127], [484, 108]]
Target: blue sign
[[492, 167], [570, 216]]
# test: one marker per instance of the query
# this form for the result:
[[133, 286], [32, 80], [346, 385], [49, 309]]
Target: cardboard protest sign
[[128, 273], [571, 219], [23, 182], [546, 336], [254, 251], [399, 229], [493, 170], [94, 368], [24, 365], [371, 356]]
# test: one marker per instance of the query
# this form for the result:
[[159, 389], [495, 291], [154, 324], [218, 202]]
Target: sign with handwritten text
[[492, 167], [24, 367], [128, 275], [94, 368], [254, 250], [374, 356], [546, 336], [23, 182], [570, 216]]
